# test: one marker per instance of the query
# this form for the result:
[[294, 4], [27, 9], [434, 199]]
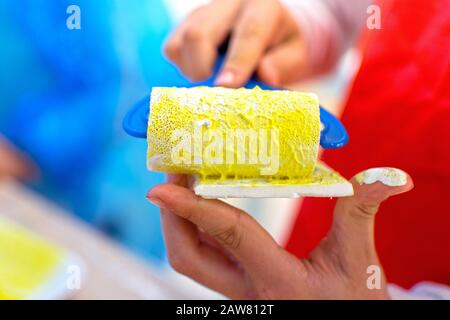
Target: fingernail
[[156, 201], [225, 78], [390, 177]]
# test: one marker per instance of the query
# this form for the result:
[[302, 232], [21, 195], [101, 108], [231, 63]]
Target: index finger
[[232, 228], [192, 46], [250, 38]]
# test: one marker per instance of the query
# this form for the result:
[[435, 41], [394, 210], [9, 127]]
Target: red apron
[[398, 115]]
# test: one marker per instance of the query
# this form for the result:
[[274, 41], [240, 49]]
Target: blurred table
[[112, 271]]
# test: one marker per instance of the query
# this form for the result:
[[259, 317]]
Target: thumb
[[353, 225]]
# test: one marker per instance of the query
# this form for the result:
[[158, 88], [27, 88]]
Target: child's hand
[[226, 250], [13, 164], [265, 38]]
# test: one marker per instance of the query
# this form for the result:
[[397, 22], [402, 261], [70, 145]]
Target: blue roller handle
[[333, 134]]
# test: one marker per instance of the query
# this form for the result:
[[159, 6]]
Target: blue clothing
[[63, 94]]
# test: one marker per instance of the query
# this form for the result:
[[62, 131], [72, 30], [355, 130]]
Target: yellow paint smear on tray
[[321, 176]]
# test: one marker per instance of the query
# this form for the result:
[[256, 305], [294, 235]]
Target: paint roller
[[241, 142]]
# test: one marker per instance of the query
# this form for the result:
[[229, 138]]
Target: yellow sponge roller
[[241, 141]]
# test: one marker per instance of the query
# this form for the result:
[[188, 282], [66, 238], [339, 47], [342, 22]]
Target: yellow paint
[[294, 116], [322, 175], [26, 262]]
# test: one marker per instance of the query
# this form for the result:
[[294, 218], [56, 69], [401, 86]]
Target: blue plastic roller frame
[[333, 134]]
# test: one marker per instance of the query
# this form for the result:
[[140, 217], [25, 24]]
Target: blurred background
[[63, 95]]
